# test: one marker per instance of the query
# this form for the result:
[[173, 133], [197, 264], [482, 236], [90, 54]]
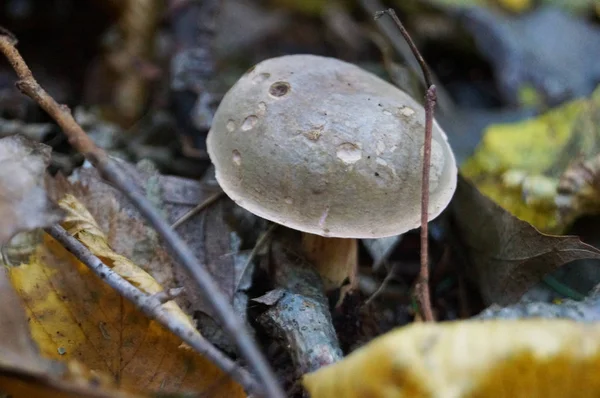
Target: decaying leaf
[[507, 256], [25, 373], [74, 315], [527, 358], [531, 49], [127, 232], [520, 6], [80, 224], [578, 190], [23, 201], [509, 5], [519, 165]]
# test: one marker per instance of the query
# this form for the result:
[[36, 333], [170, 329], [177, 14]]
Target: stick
[[179, 250], [201, 206], [300, 319], [422, 287], [151, 305]]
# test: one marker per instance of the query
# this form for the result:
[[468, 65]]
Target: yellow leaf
[[25, 373], [538, 151], [80, 224], [73, 315], [504, 359], [516, 6]]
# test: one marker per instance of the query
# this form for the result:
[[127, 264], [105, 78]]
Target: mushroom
[[324, 147]]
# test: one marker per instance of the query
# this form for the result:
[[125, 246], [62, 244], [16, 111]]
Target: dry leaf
[[530, 49], [81, 225], [504, 359], [507, 256], [74, 315], [518, 165], [25, 373], [23, 202]]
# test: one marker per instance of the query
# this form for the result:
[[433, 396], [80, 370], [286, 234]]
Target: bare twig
[[168, 295], [260, 243], [388, 278], [151, 305], [303, 302], [114, 174], [422, 287], [389, 29], [201, 206]]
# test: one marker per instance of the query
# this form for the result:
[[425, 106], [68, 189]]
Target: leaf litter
[[505, 256]]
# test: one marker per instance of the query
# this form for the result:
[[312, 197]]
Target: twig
[[201, 206], [260, 243], [388, 278], [300, 319], [168, 295], [445, 103], [422, 286], [179, 250], [151, 305]]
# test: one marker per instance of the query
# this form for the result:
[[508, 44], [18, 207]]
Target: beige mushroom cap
[[322, 146]]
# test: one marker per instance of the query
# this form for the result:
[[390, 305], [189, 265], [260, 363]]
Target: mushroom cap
[[322, 146]]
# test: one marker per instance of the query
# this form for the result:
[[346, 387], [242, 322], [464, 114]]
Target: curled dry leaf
[[526, 358], [23, 202], [507, 256], [80, 224]]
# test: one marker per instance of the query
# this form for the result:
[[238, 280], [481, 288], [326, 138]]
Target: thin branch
[[201, 206], [422, 287], [151, 305], [389, 29], [168, 295], [260, 243], [301, 319], [179, 250], [388, 278]]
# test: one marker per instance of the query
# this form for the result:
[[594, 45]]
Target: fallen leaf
[[24, 204], [510, 5], [526, 358], [212, 241], [73, 315], [519, 164], [507, 256], [25, 373], [531, 49], [129, 234], [81, 225]]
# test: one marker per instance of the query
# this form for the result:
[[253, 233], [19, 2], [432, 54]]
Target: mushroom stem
[[336, 259]]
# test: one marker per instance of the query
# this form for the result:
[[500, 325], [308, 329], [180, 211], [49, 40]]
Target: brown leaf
[[507, 256], [25, 373], [128, 234], [74, 315], [23, 202]]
